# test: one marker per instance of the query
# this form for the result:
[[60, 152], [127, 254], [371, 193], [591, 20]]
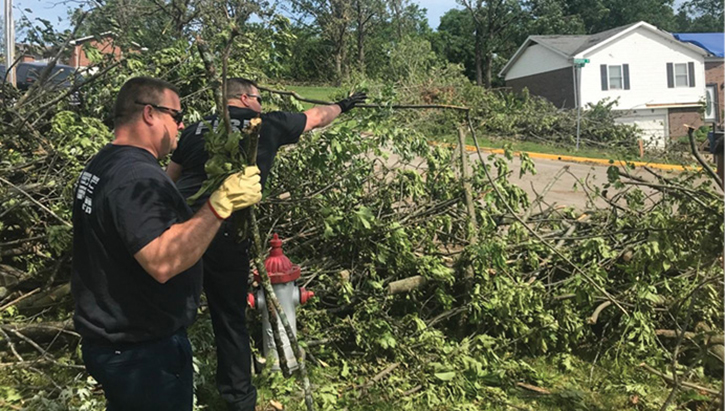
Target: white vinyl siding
[[647, 55], [536, 59]]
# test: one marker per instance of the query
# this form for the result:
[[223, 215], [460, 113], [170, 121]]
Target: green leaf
[[445, 376]]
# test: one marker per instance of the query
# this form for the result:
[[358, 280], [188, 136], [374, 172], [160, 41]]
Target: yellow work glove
[[238, 191]]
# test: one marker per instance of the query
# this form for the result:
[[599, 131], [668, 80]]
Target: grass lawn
[[314, 92], [591, 152]]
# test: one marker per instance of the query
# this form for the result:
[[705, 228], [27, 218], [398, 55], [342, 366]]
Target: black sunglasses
[[258, 97], [177, 115]]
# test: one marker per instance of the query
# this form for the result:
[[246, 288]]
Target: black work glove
[[350, 102]]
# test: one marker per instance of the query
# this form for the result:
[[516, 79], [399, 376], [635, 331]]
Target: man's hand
[[238, 191], [350, 102]]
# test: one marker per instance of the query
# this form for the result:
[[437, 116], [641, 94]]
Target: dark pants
[[226, 274], [154, 376]]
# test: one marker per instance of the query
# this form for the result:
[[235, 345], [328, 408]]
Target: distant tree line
[[333, 41]]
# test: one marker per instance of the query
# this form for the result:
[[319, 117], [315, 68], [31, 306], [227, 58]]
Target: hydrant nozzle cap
[[279, 268], [276, 244], [305, 295]]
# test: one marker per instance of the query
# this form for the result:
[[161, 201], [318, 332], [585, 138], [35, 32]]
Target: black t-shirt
[[278, 129], [123, 200]]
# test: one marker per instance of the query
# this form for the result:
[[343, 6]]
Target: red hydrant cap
[[305, 295], [279, 268]]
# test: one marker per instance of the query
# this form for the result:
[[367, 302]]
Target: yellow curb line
[[585, 160]]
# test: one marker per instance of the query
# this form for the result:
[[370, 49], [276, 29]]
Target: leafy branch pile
[[499, 113], [361, 211], [365, 204]]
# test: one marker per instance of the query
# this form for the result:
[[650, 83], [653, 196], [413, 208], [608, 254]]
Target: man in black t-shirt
[[226, 263], [136, 276]]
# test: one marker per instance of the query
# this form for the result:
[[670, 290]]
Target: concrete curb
[[593, 161]]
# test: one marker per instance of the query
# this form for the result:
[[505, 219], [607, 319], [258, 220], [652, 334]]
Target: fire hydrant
[[282, 274]]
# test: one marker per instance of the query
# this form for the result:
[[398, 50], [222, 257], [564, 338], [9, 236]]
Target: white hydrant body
[[282, 274], [288, 295]]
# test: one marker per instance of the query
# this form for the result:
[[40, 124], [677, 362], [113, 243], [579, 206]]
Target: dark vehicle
[[28, 74]]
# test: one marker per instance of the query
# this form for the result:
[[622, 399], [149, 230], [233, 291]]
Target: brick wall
[[714, 74], [556, 86], [679, 116], [78, 57]]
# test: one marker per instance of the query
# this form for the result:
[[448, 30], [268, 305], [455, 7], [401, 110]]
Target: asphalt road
[[567, 190]]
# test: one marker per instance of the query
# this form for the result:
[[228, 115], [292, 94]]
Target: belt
[[127, 345]]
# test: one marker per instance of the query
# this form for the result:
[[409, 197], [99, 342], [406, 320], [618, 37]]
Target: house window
[[681, 79], [681, 74], [615, 77]]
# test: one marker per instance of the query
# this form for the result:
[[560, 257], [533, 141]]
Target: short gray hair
[[237, 86], [147, 90]]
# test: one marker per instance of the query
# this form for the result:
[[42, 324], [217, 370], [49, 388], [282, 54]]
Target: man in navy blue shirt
[[226, 263], [137, 276]]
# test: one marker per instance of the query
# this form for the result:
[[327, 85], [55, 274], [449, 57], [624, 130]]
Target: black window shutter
[[605, 80], [670, 76], [691, 73], [625, 74]]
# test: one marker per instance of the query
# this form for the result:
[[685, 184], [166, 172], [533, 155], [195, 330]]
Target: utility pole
[[9, 42], [578, 64]]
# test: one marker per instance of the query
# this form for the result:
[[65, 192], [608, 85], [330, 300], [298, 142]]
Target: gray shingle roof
[[570, 45]]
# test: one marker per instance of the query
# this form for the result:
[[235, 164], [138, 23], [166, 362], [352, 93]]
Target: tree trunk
[[338, 68], [361, 48], [479, 58], [396, 9], [488, 64], [343, 66], [339, 55]]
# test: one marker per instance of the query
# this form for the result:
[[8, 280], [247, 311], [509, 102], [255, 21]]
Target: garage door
[[653, 127]]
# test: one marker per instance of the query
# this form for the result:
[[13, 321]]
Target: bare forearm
[[179, 247], [320, 116], [173, 170]]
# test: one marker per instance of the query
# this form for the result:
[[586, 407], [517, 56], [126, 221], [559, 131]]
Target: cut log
[[406, 285]]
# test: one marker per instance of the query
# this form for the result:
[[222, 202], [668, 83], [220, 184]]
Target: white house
[[658, 81]]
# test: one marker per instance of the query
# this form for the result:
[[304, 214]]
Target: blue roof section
[[713, 43]]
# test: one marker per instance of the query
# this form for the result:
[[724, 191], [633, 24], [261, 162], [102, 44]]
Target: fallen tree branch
[[12, 345], [392, 106], [670, 380], [43, 353], [533, 388], [36, 202], [589, 279], [412, 390], [379, 376], [595, 315], [544, 192], [714, 343], [696, 153], [406, 285], [17, 300]]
